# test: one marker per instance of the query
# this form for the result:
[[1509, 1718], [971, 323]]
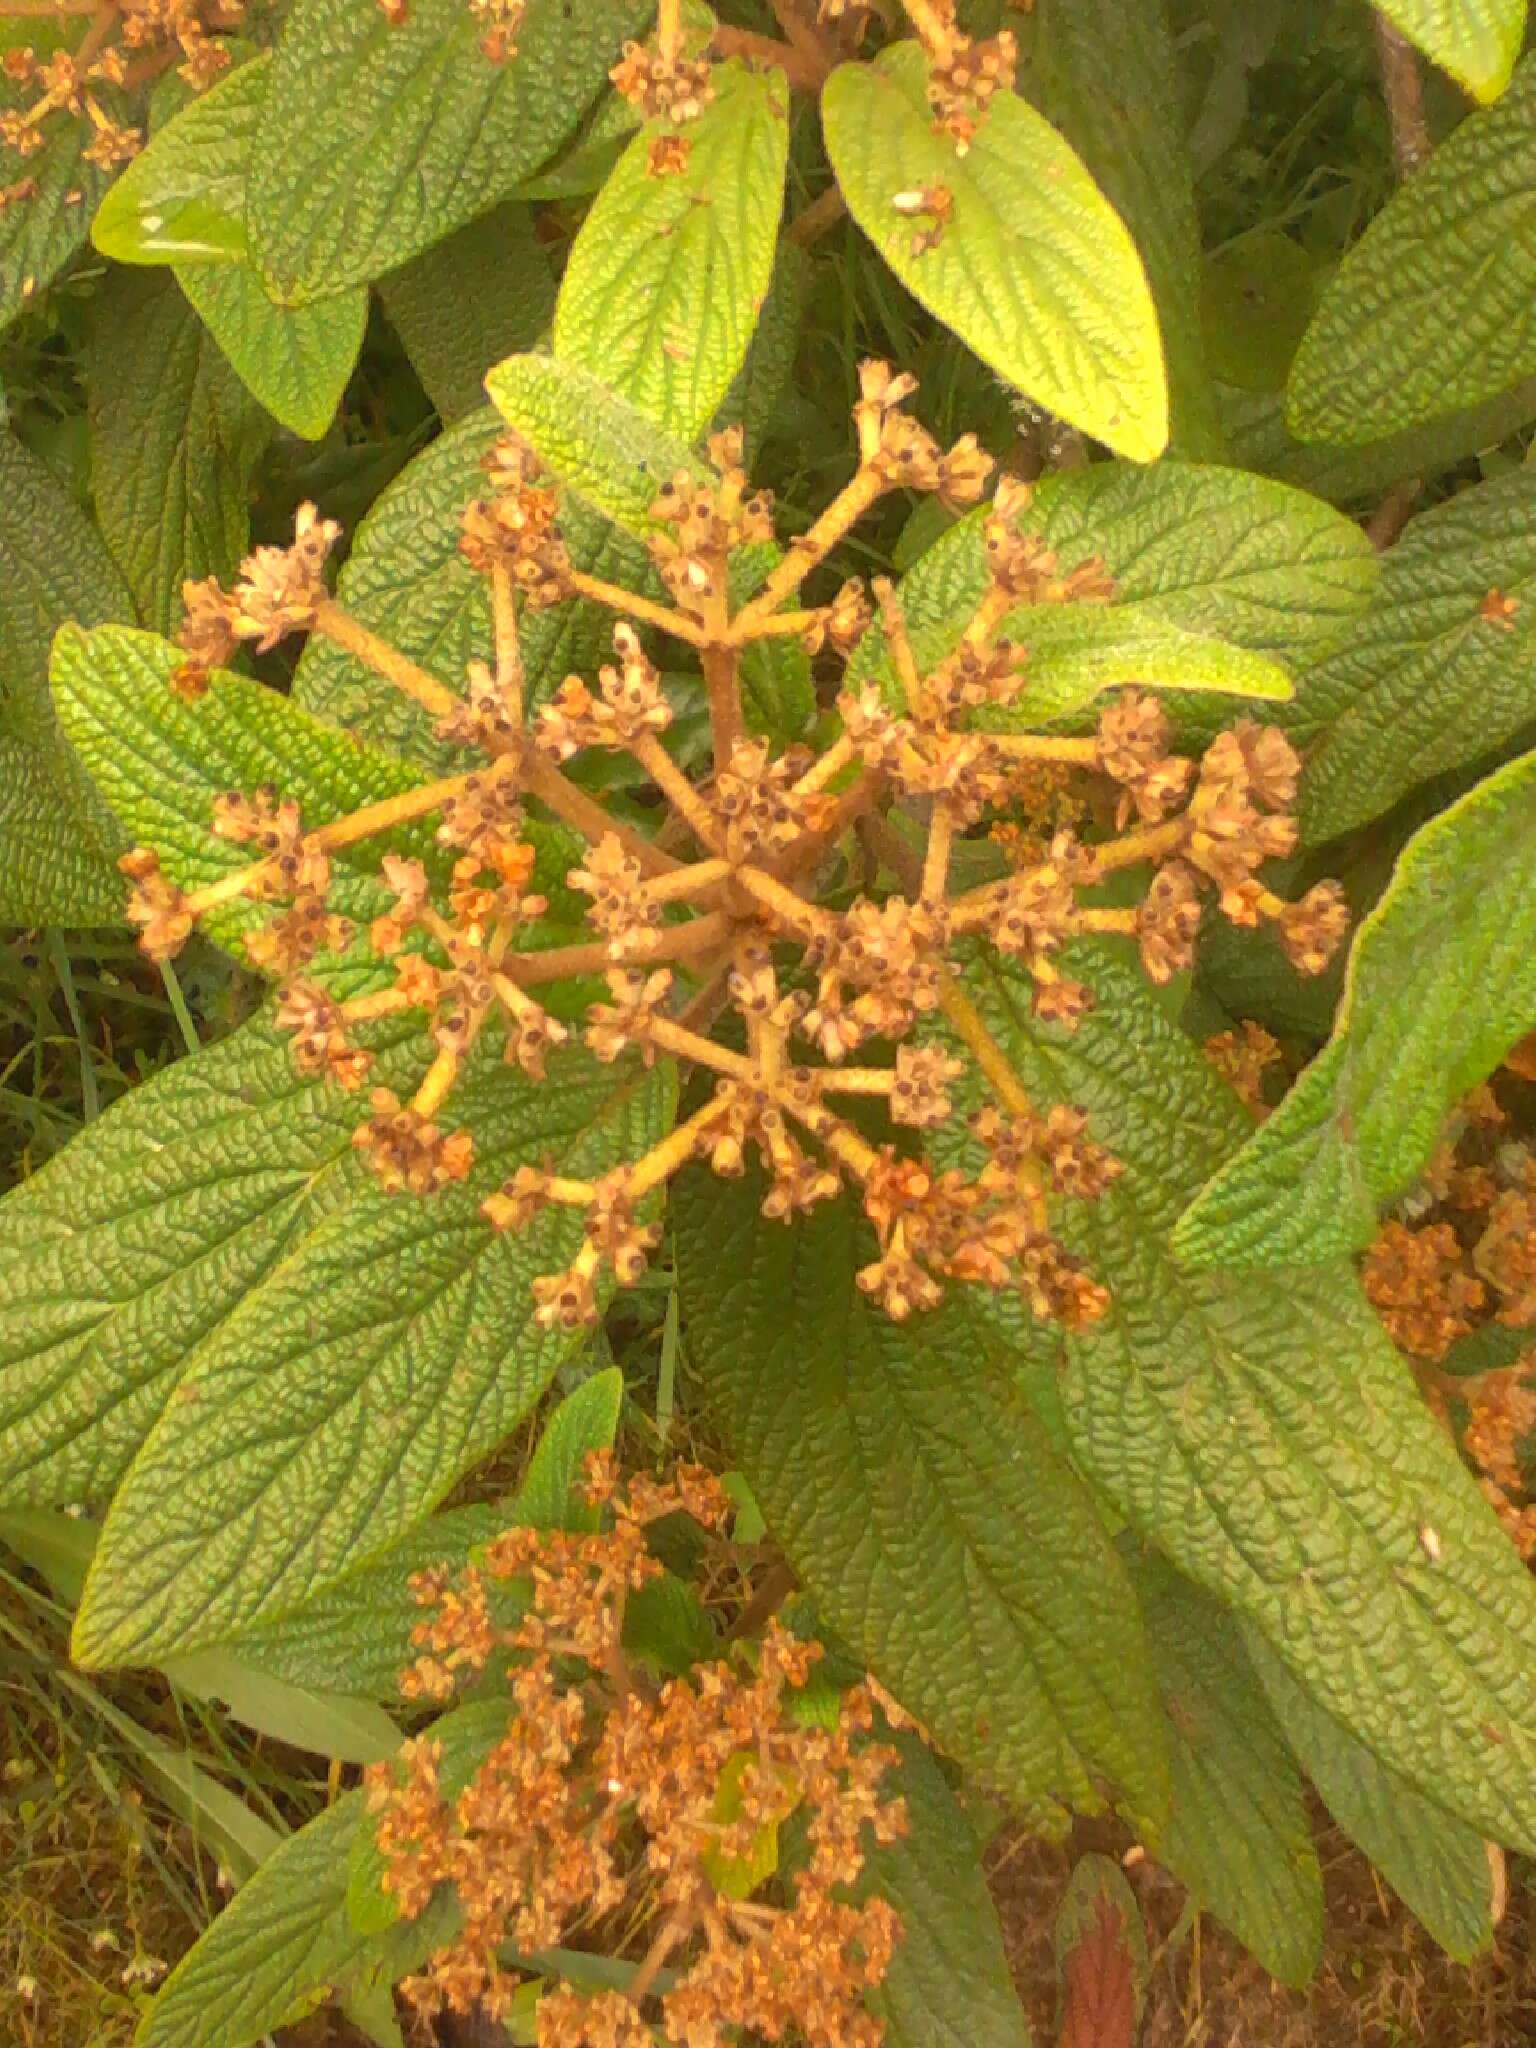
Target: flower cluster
[[1467, 1253], [612, 1805], [964, 75], [124, 49], [740, 902]]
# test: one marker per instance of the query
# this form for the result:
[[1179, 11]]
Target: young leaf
[[921, 1503], [1101, 1957], [468, 301], [1441, 983], [1239, 1838], [1437, 1865], [1262, 1431], [380, 137], [1103, 71], [1477, 41], [671, 267], [339, 1402], [948, 1985], [57, 838], [174, 439], [1212, 568], [406, 579], [283, 1936], [1443, 664], [1032, 268], [1431, 310]]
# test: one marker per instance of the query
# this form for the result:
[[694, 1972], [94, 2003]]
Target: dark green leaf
[[1264, 1432], [1431, 310], [1239, 1838], [174, 439], [1439, 671], [379, 139], [1437, 1865], [296, 361], [463, 304], [921, 1503], [57, 838], [1441, 983], [40, 235]]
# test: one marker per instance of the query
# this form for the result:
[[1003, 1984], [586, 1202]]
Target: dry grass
[[1383, 1983]]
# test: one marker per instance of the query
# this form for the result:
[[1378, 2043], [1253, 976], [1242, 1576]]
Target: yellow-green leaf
[[1033, 269]]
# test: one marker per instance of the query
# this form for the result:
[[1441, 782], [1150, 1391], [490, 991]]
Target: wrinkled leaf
[[1034, 269], [670, 270], [463, 304], [175, 438], [1240, 1838], [57, 838], [1441, 983], [1431, 310], [379, 139], [1441, 668], [1264, 1432], [920, 1502]]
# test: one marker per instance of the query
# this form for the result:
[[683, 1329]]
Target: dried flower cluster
[[637, 1815], [123, 49], [720, 909], [1468, 1254], [1245, 1058], [964, 75]]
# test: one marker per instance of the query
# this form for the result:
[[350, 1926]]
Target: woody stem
[[899, 645], [667, 1158], [1031, 746], [861, 491], [587, 815], [613, 597], [335, 623], [941, 833], [671, 1932], [686, 883], [434, 1090], [970, 1027], [723, 686], [785, 905], [804, 73], [677, 942], [510, 673], [936, 33], [677, 789]]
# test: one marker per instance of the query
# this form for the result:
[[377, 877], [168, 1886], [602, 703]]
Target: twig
[[1402, 87]]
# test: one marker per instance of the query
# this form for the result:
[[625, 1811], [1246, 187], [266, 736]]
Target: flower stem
[[970, 1027], [863, 489], [613, 597], [333, 622]]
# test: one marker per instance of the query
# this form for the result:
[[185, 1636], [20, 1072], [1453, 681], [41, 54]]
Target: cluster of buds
[[718, 910], [664, 81], [613, 1804], [964, 75], [1465, 1253], [124, 49]]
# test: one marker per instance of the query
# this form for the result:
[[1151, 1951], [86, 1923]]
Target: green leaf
[[584, 1422], [337, 1405], [1437, 1865], [57, 838], [182, 198], [140, 1238], [614, 458], [1441, 983], [284, 1935], [41, 235], [160, 761], [1477, 41], [921, 1503], [596, 442], [296, 361], [948, 1985], [1034, 269], [328, 1724], [1239, 1838], [1199, 555], [669, 272], [175, 438], [406, 579], [770, 363], [1427, 682], [468, 301], [1431, 310], [1263, 1431], [379, 139], [1103, 71]]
